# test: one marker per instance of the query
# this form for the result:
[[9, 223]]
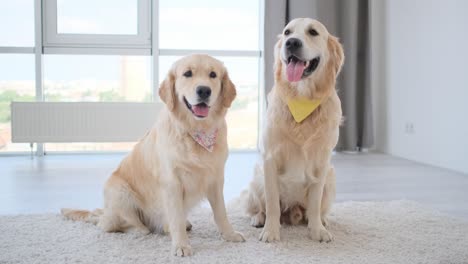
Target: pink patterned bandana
[[206, 140]]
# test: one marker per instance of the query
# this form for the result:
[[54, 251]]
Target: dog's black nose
[[203, 92], [293, 44]]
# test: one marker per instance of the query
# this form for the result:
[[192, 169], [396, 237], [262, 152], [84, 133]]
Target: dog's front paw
[[320, 234], [182, 250], [270, 234], [234, 236]]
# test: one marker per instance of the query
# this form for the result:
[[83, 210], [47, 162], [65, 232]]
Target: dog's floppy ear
[[328, 80], [167, 90], [228, 90], [277, 64], [336, 54]]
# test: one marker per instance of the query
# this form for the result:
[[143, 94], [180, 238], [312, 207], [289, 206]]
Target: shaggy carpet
[[365, 232]]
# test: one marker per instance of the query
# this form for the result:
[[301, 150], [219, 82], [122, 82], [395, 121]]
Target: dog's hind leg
[[133, 220], [122, 209], [110, 223], [121, 220]]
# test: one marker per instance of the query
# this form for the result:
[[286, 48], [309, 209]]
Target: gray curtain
[[349, 21]]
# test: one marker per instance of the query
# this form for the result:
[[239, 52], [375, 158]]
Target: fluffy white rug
[[365, 232]]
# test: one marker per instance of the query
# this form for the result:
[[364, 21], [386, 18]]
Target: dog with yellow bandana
[[179, 162], [296, 182]]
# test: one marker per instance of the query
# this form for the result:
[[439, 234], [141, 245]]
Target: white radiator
[[43, 122]]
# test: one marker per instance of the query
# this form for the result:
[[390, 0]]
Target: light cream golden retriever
[[296, 182], [179, 162]]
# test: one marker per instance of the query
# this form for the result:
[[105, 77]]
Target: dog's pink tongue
[[295, 70], [201, 110]]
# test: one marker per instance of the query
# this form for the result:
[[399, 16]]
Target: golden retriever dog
[[179, 162], [296, 182]]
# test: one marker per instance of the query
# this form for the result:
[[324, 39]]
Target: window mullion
[[38, 60], [155, 47]]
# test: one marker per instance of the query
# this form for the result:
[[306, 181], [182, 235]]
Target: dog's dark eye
[[188, 74], [313, 32], [213, 75], [287, 32]]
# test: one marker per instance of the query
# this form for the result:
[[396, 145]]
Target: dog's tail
[[82, 215]]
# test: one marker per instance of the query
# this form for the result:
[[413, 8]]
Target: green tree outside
[[110, 96]]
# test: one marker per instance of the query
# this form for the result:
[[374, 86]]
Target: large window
[[119, 51]]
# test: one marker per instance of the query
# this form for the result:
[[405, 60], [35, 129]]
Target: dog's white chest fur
[[293, 182]]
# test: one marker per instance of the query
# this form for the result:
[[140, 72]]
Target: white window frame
[[120, 44]]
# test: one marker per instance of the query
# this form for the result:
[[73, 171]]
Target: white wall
[[423, 109]]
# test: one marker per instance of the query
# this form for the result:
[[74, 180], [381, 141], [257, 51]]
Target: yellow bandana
[[301, 108]]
